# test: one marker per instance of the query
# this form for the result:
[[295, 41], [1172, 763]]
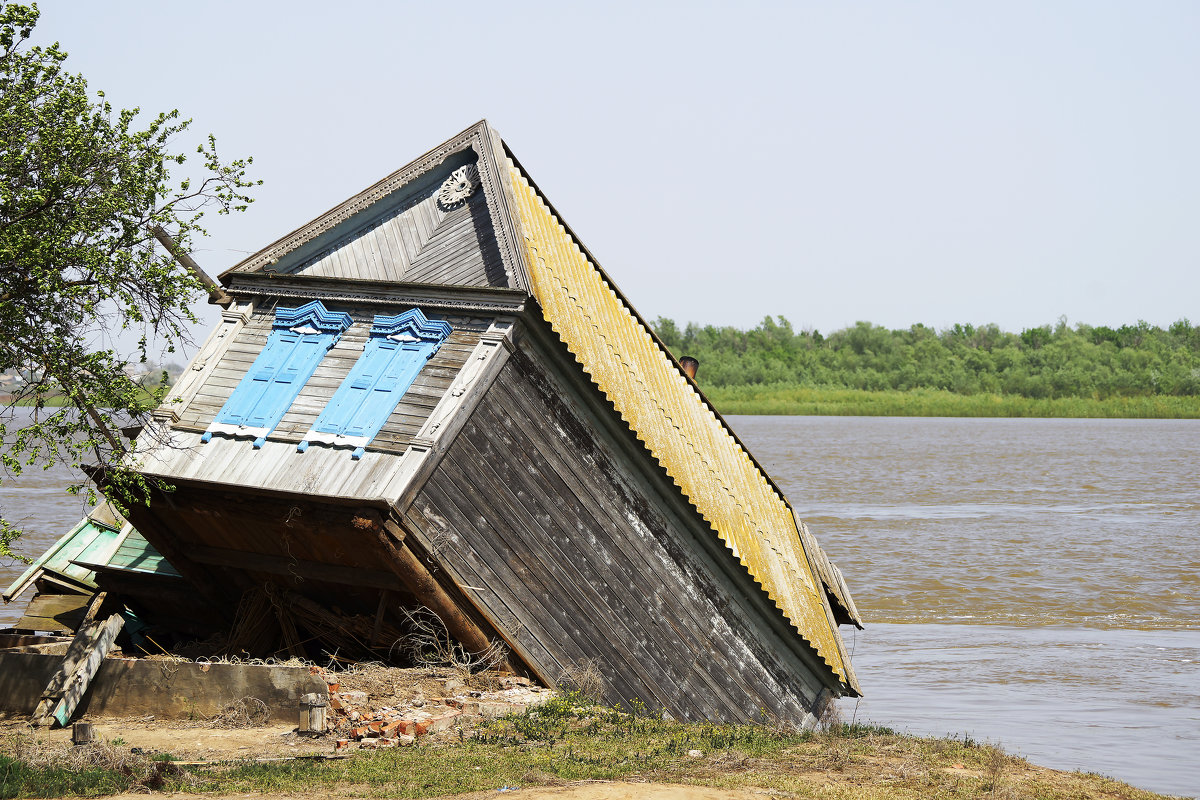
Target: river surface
[[1031, 583]]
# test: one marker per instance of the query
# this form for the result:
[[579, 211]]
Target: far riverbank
[[792, 400]]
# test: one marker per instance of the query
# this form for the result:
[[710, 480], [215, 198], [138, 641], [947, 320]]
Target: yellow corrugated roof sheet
[[669, 416]]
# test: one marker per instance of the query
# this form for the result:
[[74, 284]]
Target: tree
[[81, 188]]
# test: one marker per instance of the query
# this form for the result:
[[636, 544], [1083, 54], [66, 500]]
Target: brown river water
[[1031, 583]]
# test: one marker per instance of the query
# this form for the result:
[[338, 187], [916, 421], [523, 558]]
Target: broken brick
[[437, 724]]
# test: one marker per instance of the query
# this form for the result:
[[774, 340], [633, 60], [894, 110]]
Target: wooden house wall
[[578, 559], [404, 422], [275, 467]]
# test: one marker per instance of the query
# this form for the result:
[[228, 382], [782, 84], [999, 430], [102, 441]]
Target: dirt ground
[[189, 742], [395, 689]]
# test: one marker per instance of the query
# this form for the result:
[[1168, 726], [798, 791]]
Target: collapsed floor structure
[[432, 397]]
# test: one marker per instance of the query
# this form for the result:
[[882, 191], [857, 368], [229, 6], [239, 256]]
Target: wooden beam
[[428, 591], [221, 597], [385, 599], [216, 293], [279, 565]]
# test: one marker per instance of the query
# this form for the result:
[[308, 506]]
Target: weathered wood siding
[[419, 242], [414, 407], [576, 558], [462, 251]]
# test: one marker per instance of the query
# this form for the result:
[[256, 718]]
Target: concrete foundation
[[166, 689]]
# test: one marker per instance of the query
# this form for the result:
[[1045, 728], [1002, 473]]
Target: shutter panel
[[350, 394], [254, 383], [281, 388], [378, 380], [377, 404], [291, 355]]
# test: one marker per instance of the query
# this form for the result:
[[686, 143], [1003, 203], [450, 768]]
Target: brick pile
[[354, 718]]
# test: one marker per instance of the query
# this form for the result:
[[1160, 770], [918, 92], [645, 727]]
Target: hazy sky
[[900, 162]]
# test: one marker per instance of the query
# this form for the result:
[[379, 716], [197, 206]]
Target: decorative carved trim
[[493, 176], [461, 184], [511, 307], [412, 324], [312, 317]]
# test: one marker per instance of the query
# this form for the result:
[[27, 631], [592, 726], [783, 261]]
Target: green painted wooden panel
[[136, 554]]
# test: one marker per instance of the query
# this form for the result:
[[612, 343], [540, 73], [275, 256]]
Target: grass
[[561, 743], [809, 401]]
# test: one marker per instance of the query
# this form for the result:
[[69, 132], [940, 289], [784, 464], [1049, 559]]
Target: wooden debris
[[82, 733], [74, 675]]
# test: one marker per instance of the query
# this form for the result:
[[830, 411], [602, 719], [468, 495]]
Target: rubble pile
[[357, 716]]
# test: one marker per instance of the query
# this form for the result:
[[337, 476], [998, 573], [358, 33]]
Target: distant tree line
[[1043, 362]]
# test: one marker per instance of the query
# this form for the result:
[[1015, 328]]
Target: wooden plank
[[77, 651], [506, 597], [78, 683], [495, 601], [393, 260], [425, 586], [69, 682], [54, 613], [562, 597], [553, 534]]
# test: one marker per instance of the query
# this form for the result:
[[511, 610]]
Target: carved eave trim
[[315, 315], [492, 178], [411, 323], [341, 290]]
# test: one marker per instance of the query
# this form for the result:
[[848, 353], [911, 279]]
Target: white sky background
[[939, 162]]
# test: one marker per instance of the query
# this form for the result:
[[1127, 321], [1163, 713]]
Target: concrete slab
[[166, 689]]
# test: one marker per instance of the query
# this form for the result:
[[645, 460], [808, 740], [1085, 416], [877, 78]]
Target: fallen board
[[70, 681], [54, 613]]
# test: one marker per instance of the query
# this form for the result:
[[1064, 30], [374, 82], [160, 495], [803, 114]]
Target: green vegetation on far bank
[[812, 401], [1049, 371], [562, 743]]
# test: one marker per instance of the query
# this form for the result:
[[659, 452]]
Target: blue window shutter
[[395, 353], [295, 347], [304, 354], [255, 382], [393, 381]]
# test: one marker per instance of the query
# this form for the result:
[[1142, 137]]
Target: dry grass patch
[[568, 742]]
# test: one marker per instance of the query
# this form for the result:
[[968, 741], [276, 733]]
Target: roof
[[679, 428], [101, 539]]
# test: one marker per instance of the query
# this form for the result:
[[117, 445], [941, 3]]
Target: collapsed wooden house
[[432, 396]]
